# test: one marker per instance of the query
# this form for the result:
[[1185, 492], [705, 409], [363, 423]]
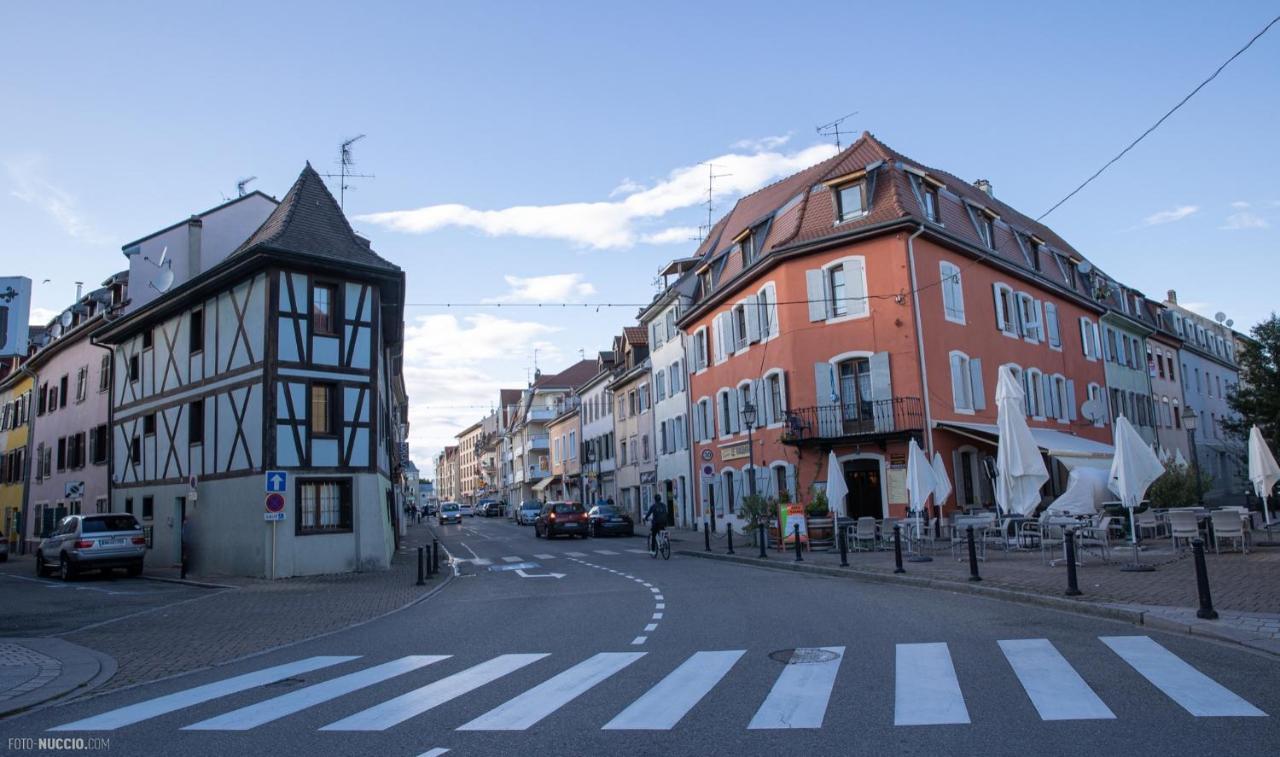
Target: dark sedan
[[561, 518], [607, 519]]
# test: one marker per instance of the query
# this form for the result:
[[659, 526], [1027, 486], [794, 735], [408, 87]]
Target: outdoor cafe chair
[[1227, 524], [1052, 538], [864, 533], [1147, 521], [1183, 525], [1097, 537]]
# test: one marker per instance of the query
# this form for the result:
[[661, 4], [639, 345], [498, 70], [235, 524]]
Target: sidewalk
[[1245, 589], [33, 671]]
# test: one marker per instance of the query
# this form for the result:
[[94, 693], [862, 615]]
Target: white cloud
[[627, 187], [763, 143], [673, 235], [41, 316], [1241, 204], [610, 224], [30, 186], [1245, 220], [1170, 216], [558, 287], [1203, 308]]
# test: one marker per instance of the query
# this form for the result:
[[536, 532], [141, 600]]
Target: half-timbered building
[[283, 355]]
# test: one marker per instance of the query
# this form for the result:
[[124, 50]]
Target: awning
[[1071, 451], [542, 485]]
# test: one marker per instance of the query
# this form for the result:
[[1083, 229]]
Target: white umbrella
[[837, 491], [1263, 471], [1020, 470], [920, 479], [943, 488], [1134, 468], [1178, 459]]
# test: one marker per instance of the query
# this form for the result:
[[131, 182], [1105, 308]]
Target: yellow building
[[15, 426]]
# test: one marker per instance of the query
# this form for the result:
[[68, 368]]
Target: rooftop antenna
[[345, 164], [711, 185], [832, 128], [240, 185]]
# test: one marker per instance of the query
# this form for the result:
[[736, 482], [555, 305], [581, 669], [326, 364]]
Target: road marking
[[658, 598], [260, 713], [647, 585], [537, 703], [655, 590], [545, 557], [434, 752], [651, 628], [657, 616], [479, 561], [513, 558], [1055, 688], [926, 689], [605, 552], [627, 575], [576, 554], [660, 606], [136, 713], [1196, 692], [661, 707], [469, 549], [637, 641], [799, 697], [638, 551], [395, 711], [520, 572]]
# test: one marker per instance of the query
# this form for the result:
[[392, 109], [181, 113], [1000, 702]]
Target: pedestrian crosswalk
[[927, 689], [544, 556]]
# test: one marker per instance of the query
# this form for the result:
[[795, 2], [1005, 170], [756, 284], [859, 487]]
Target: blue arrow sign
[[277, 481]]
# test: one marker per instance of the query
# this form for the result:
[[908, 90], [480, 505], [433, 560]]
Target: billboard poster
[[15, 314]]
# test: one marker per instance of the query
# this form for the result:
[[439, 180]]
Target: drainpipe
[[111, 407], [924, 373], [31, 437]]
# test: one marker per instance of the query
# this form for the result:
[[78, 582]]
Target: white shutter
[[959, 382], [827, 404], [996, 289], [1052, 334], [815, 286], [774, 328], [855, 287], [881, 392], [975, 383], [753, 319], [717, 325], [1071, 400], [791, 481], [735, 417]]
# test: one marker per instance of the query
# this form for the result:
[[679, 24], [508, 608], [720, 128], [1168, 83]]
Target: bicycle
[[661, 543]]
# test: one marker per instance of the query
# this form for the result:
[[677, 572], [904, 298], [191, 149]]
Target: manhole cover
[[283, 683], [802, 656]]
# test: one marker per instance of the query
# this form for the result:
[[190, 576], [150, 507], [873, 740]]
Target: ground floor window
[[324, 506]]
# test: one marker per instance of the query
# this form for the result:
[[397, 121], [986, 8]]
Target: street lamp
[[749, 418], [1190, 419]]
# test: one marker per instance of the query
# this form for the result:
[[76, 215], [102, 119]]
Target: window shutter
[[1071, 400], [881, 392], [791, 481], [1085, 334], [1051, 324], [1046, 396], [735, 417], [773, 312], [717, 325], [975, 382], [826, 400], [958, 382], [753, 319], [855, 287], [816, 288], [995, 289]]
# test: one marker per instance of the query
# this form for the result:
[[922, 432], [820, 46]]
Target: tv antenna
[[832, 128], [711, 185], [345, 164], [240, 185]]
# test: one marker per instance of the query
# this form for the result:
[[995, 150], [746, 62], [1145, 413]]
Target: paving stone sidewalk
[[33, 671]]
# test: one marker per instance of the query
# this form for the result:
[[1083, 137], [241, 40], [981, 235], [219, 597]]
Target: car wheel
[[135, 570], [41, 568], [65, 570]]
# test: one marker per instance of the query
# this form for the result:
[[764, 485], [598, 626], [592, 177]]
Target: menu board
[[791, 516], [898, 485]]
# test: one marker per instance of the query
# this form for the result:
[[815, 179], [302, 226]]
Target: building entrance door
[[862, 477]]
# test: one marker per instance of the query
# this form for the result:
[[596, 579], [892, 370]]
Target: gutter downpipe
[[31, 437], [924, 374], [111, 408]]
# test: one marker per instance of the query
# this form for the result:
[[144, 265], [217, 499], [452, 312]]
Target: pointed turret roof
[[309, 222]]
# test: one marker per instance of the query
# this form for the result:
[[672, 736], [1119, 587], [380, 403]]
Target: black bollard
[[764, 539], [1073, 587], [1206, 610], [430, 570], [435, 555], [713, 520], [897, 549], [973, 557], [937, 523], [728, 528], [422, 567], [844, 547], [706, 537], [797, 536]]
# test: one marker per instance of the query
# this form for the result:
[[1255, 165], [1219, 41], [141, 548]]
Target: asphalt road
[[623, 654]]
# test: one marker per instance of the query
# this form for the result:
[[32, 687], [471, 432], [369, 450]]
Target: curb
[[1136, 617], [188, 582], [67, 683]]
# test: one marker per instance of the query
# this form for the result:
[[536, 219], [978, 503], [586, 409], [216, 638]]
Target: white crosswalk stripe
[[576, 554], [605, 552], [396, 711], [1196, 692], [661, 707], [544, 557], [537, 703], [799, 697], [259, 713], [136, 713], [1055, 688], [638, 551], [927, 691], [513, 558]]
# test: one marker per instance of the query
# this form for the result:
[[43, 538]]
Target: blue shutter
[[975, 383]]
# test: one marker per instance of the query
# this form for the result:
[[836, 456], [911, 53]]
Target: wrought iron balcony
[[862, 421]]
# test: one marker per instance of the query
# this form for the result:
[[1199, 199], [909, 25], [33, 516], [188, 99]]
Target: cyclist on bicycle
[[657, 513]]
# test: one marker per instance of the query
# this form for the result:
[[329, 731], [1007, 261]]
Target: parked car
[[467, 510], [449, 512], [489, 508], [561, 518], [528, 512], [431, 508], [93, 542], [607, 519]]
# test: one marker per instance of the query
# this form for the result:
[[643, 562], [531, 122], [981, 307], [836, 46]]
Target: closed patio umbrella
[[1178, 459], [837, 490], [942, 490], [1134, 468], [1263, 471], [1020, 470], [920, 480]]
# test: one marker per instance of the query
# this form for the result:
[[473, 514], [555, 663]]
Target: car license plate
[[111, 542], [615, 520], [571, 525]]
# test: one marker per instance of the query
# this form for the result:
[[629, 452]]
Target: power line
[[1156, 125]]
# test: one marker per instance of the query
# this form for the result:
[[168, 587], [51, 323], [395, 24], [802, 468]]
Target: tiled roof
[[309, 222], [572, 377], [636, 335]]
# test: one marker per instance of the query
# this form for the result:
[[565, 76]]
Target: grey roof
[[309, 222]]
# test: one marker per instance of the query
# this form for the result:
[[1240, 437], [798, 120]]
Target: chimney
[[1173, 297], [985, 186]]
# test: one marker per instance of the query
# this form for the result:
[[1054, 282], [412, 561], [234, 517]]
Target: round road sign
[[275, 503]]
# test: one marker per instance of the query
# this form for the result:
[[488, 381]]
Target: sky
[[555, 152]]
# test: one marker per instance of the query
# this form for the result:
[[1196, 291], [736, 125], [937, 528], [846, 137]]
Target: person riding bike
[[657, 513]]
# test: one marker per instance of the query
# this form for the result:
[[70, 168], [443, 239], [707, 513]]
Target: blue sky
[[563, 140]]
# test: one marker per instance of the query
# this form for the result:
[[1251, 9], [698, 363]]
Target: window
[[82, 383], [134, 369], [767, 302], [104, 374], [62, 453], [705, 278], [777, 402], [700, 354], [324, 299], [1006, 309], [952, 292], [730, 492], [1089, 339], [836, 286], [196, 337], [1063, 401], [984, 224], [148, 508], [1051, 325], [740, 327], [837, 290], [149, 424], [323, 413], [42, 398], [1030, 250], [851, 201], [98, 445], [967, 393], [63, 391], [746, 396], [622, 452], [926, 195], [1035, 393], [146, 339], [1029, 317], [644, 447], [195, 422], [324, 506], [135, 450], [660, 385]]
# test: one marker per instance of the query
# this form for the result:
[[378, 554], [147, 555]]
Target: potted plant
[[821, 525]]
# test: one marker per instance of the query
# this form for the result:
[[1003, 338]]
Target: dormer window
[[705, 278], [851, 201], [984, 224], [926, 191]]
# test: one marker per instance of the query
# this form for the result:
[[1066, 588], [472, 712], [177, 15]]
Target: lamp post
[[1190, 420], [749, 418]]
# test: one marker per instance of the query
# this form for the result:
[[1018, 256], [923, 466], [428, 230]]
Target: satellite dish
[[65, 318], [163, 254], [1219, 316], [1230, 323], [1093, 410], [56, 330], [163, 281], [1085, 266]]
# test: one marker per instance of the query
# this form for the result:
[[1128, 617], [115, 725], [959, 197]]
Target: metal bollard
[[897, 549], [1073, 587], [937, 523], [973, 557], [844, 548], [799, 558], [713, 520], [422, 567], [1206, 610], [728, 527], [435, 555], [706, 536], [764, 539]]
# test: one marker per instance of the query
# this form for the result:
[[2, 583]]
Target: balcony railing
[[537, 442], [863, 419]]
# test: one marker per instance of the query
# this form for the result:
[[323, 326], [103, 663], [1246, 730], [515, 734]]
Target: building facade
[[16, 393], [599, 454], [566, 468], [471, 488], [527, 442], [1166, 386], [636, 468], [1125, 328], [670, 391]]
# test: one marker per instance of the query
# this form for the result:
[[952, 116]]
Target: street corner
[[34, 671]]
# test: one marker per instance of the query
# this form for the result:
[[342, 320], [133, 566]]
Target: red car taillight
[[82, 544], [139, 540], [552, 516]]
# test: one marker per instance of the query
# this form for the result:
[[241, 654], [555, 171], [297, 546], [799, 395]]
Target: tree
[[1256, 398], [1177, 487]]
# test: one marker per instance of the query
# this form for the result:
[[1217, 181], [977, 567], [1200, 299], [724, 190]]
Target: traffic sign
[[707, 455], [275, 503], [277, 481], [273, 516], [708, 473]]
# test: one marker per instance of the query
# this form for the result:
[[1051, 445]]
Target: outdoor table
[[1066, 522]]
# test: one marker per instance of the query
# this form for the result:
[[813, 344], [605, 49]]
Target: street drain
[[802, 656]]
